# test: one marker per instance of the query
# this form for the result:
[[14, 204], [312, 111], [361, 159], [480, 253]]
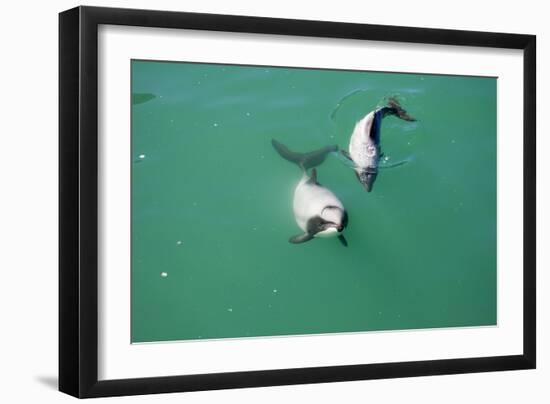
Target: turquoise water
[[212, 203]]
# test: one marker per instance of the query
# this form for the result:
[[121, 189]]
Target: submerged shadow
[[140, 98]]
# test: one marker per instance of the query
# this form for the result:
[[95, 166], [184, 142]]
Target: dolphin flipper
[[304, 160], [345, 158], [346, 154], [343, 240], [301, 238], [384, 165]]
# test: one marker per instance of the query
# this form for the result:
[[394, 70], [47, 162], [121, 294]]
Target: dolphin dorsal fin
[[313, 177]]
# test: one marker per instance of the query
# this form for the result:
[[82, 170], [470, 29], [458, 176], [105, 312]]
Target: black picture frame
[[78, 201]]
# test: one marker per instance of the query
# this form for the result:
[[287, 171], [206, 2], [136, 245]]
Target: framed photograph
[[251, 201]]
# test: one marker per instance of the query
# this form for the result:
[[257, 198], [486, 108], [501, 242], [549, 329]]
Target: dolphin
[[317, 210], [364, 149]]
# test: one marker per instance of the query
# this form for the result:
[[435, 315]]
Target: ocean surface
[[212, 203]]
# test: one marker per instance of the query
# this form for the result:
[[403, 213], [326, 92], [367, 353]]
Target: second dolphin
[[364, 145]]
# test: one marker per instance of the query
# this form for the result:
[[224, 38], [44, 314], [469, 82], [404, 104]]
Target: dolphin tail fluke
[[395, 108], [304, 160], [286, 153]]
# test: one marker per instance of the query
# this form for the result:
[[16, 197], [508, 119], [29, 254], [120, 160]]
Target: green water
[[212, 203]]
